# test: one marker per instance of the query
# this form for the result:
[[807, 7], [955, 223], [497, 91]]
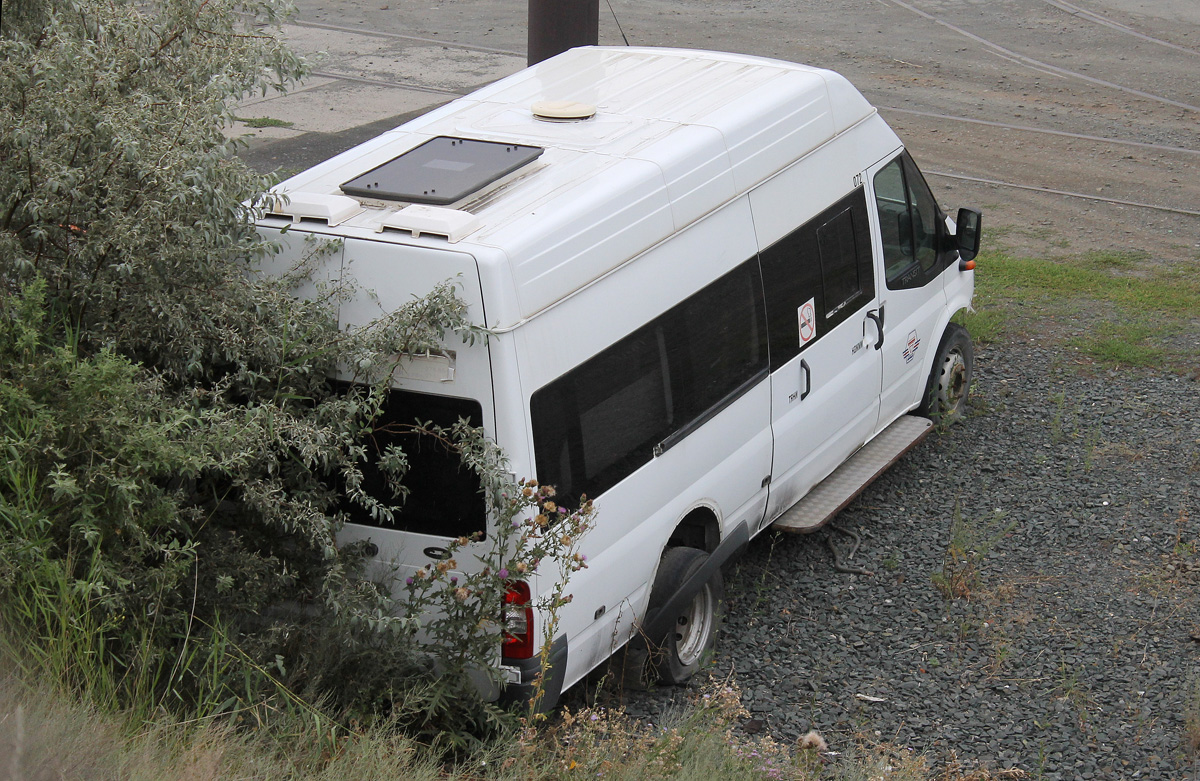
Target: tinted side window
[[792, 277], [717, 341], [623, 405], [844, 245], [825, 262], [602, 420], [908, 222], [925, 217]]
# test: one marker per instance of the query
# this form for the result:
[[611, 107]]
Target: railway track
[[1104, 21], [1041, 66]]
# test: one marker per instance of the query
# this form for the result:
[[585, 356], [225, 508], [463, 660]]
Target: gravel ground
[[1076, 653]]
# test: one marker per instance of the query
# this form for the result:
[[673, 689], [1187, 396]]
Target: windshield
[[444, 497]]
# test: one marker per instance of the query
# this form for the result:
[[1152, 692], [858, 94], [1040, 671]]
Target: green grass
[[261, 122], [971, 540], [1117, 308], [1124, 344], [1129, 282], [987, 325]]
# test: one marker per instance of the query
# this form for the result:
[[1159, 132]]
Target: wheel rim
[[694, 627], [952, 385]]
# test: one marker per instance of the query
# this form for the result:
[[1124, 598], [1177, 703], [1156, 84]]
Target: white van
[[716, 286]]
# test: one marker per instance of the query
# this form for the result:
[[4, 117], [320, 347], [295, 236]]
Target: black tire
[[675, 658], [945, 399]]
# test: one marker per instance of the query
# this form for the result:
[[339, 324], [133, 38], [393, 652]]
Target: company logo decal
[[910, 349]]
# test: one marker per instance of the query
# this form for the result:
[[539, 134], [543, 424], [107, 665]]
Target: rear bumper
[[524, 674]]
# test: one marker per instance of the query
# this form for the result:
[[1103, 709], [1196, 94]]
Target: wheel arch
[[931, 403], [699, 528], [939, 331]]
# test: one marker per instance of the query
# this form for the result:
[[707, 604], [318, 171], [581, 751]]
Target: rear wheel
[[689, 642], [949, 383]]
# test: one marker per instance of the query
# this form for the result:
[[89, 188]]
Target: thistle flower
[[813, 741]]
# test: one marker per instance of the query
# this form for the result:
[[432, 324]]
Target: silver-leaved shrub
[[172, 445]]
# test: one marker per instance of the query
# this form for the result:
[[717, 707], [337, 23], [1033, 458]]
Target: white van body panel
[[694, 164], [722, 466], [814, 434]]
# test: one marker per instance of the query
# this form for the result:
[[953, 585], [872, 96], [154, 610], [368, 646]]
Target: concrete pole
[[558, 25]]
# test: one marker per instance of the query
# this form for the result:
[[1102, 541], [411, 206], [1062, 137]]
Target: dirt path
[[1121, 73]]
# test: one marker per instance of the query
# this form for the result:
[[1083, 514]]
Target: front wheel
[[693, 632], [945, 399]]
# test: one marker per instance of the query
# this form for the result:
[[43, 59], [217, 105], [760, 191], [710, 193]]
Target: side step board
[[833, 493]]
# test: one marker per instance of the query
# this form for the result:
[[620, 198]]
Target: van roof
[[676, 134]]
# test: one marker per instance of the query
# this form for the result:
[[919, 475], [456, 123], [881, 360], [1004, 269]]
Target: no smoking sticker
[[807, 314]]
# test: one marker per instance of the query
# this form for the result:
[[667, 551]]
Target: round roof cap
[[563, 110]]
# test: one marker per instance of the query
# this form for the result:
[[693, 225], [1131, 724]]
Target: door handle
[[804, 367], [877, 316]]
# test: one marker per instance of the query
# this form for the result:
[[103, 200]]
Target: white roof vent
[[440, 221], [334, 209], [562, 110]]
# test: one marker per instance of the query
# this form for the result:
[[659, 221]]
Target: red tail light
[[518, 622]]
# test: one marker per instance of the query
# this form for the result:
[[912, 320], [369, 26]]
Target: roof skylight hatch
[[442, 170]]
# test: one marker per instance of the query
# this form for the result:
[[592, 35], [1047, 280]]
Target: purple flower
[[408, 581], [503, 573], [453, 580]]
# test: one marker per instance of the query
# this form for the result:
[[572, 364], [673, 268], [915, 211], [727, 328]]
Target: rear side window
[[841, 277], [818, 276], [444, 497], [602, 420]]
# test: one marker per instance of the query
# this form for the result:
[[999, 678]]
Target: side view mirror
[[967, 232]]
